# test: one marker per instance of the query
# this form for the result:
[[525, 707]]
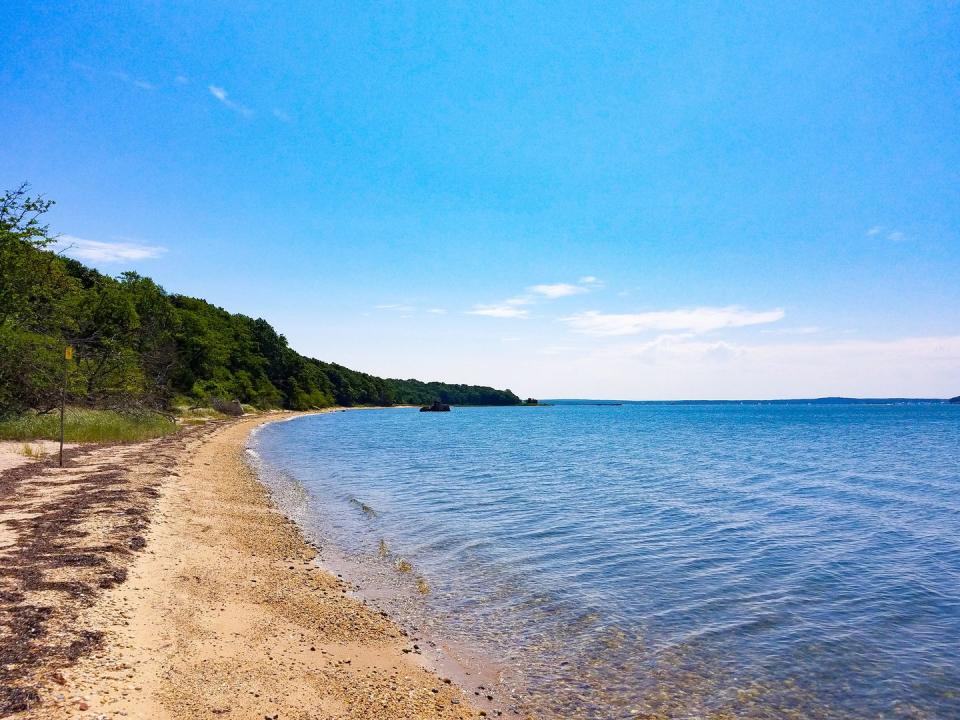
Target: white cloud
[[669, 347], [224, 97], [520, 300], [281, 115], [803, 330], [891, 234], [134, 82], [107, 252], [498, 311], [535, 294], [181, 80], [93, 73], [687, 366], [557, 290], [407, 309], [696, 320], [681, 366]]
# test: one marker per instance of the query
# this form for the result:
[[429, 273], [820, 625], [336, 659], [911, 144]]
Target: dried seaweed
[[51, 558]]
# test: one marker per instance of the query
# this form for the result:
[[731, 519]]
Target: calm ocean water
[[684, 561]]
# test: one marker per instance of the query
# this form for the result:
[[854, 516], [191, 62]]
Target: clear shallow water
[[685, 561]]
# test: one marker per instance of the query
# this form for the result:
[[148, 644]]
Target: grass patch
[[199, 413], [32, 452], [83, 425]]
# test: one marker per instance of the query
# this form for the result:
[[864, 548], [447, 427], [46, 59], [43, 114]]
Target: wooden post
[[67, 357]]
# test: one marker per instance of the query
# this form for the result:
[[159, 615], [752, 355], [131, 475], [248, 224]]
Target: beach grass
[[84, 425], [30, 451]]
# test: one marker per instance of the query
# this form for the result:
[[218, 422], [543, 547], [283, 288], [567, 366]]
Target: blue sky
[[643, 200]]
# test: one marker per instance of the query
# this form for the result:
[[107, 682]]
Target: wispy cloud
[[499, 311], [696, 320], [106, 252], [510, 308], [224, 97], [557, 290], [181, 80], [133, 82], [677, 365], [891, 234], [281, 115], [93, 73], [670, 347], [407, 309], [825, 357]]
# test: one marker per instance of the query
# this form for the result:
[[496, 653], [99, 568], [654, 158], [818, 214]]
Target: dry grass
[[32, 452]]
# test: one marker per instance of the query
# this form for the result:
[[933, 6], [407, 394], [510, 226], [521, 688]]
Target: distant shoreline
[[778, 401]]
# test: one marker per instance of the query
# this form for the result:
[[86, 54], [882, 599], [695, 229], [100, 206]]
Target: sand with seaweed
[[156, 580]]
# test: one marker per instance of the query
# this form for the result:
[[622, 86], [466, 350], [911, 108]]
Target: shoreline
[[391, 595], [217, 608]]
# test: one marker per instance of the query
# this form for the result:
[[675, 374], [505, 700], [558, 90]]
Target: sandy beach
[[156, 580]]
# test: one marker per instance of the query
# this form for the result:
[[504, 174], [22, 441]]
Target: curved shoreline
[[224, 614], [393, 594]]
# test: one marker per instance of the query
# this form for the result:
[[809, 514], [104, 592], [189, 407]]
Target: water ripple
[[672, 561]]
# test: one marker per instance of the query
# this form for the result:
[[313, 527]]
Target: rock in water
[[436, 407]]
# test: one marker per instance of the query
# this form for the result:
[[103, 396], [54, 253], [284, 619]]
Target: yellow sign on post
[[68, 356]]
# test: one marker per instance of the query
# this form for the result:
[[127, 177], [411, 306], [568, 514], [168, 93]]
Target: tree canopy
[[137, 345]]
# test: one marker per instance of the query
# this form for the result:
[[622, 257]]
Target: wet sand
[[157, 580]]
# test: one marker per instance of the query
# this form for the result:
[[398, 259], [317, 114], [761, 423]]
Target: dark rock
[[233, 407], [436, 407]]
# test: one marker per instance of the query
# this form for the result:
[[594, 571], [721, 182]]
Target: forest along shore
[[156, 580]]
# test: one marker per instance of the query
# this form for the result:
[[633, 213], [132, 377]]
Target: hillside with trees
[[137, 346]]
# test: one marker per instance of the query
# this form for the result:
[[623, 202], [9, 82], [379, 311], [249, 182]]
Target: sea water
[[685, 561]]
